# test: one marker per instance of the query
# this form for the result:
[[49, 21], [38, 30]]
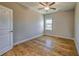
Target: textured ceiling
[[60, 6]]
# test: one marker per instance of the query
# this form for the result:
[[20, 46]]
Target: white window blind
[[48, 23]]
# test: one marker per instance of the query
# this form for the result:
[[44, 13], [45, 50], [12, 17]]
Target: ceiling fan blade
[[46, 3], [53, 8], [52, 3], [42, 4]]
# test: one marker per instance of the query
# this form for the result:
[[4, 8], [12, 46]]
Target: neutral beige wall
[[77, 26], [63, 24], [27, 23]]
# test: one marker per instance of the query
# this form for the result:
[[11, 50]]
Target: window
[[48, 24]]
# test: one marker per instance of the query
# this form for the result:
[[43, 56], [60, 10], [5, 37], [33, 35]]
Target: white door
[[6, 29]]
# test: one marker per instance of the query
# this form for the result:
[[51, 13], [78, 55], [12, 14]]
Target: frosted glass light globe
[[47, 8]]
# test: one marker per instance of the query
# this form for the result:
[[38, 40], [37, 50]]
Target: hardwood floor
[[44, 46]]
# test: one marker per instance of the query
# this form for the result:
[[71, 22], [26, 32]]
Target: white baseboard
[[62, 37], [39, 36], [6, 49], [27, 39]]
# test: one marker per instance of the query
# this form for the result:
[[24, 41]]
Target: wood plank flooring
[[44, 46]]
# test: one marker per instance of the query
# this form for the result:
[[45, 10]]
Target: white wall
[[63, 24], [77, 26], [27, 23]]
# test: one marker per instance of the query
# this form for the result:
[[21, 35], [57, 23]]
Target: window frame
[[45, 25]]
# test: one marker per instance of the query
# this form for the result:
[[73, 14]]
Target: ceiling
[[60, 6]]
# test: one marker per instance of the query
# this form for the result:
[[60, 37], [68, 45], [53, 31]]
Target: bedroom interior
[[39, 29]]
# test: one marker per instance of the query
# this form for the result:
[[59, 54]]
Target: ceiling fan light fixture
[[47, 8]]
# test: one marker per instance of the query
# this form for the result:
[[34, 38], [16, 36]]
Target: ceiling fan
[[47, 5]]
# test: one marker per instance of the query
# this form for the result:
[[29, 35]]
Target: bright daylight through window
[[48, 24]]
